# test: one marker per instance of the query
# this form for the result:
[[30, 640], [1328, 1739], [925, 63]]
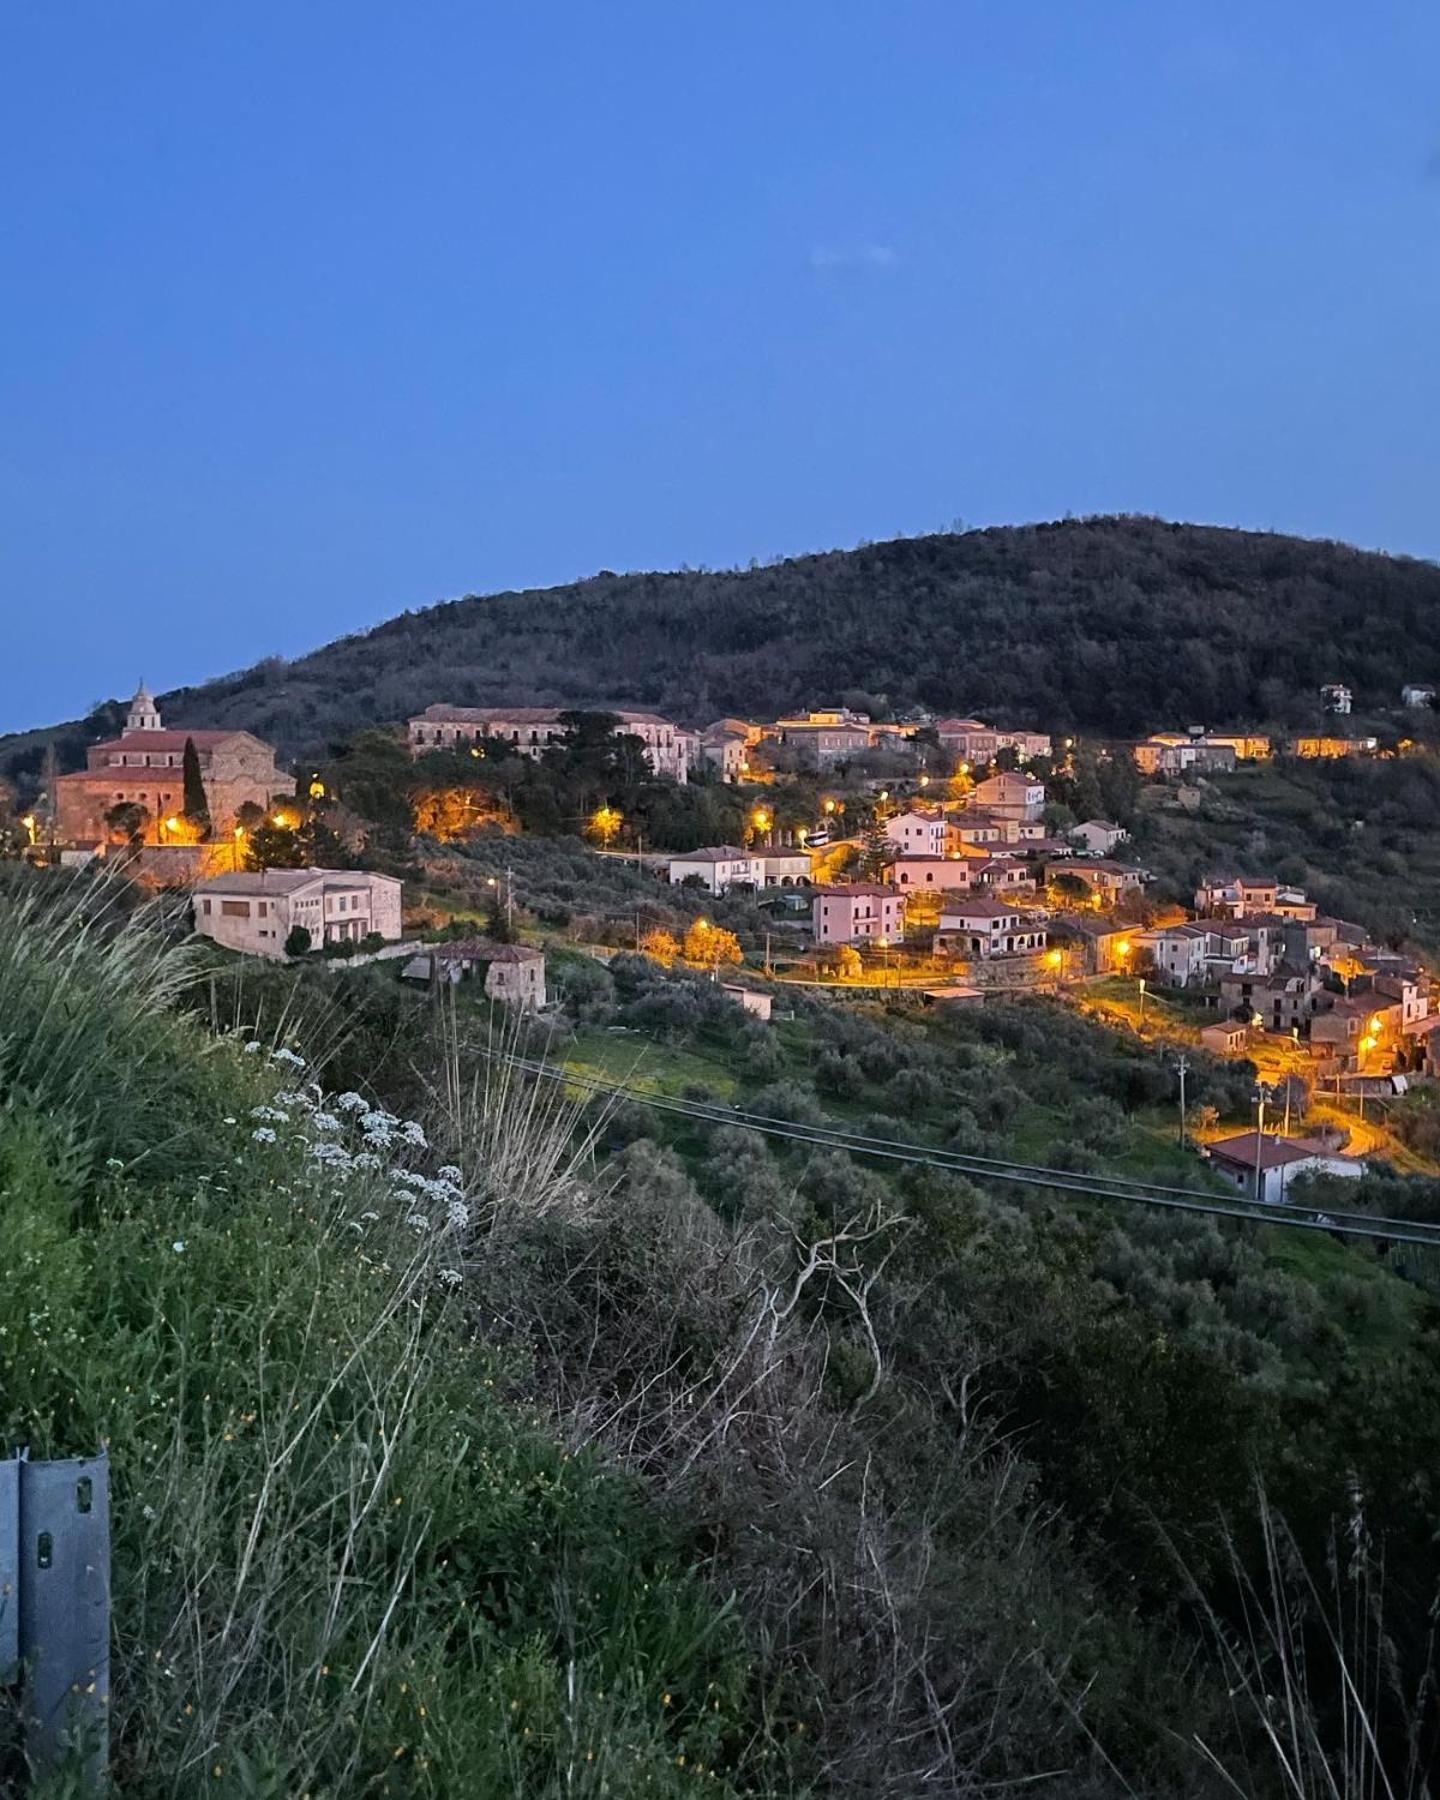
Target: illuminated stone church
[[145, 766]]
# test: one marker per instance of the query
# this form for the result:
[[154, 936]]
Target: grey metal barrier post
[[55, 1563]]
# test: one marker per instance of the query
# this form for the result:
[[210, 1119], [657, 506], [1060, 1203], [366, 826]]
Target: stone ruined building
[[146, 765]]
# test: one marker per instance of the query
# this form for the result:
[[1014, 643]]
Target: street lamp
[[1142, 1002]]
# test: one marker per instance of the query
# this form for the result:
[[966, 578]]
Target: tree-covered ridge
[[1107, 625]]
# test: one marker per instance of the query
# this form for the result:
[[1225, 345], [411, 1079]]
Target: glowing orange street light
[[280, 819], [1055, 958], [828, 806], [29, 823]]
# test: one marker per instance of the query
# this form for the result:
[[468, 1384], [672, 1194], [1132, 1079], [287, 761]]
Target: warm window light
[[924, 781], [281, 819], [172, 823], [317, 788], [1054, 959], [1123, 947], [1375, 1025], [239, 831]]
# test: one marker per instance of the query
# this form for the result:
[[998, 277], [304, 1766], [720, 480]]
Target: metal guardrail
[[55, 1607]]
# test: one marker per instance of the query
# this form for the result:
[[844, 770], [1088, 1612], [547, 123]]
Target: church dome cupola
[[144, 714]]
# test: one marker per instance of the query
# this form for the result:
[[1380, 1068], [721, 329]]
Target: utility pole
[[1182, 1065], [509, 899], [1262, 1094], [1142, 1003], [768, 969]]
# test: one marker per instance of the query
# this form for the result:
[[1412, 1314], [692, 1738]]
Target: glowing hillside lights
[[1054, 958], [828, 806], [281, 820], [606, 822], [760, 819], [29, 823]]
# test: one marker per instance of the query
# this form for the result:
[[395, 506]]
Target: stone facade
[[256, 911], [530, 731], [145, 766]]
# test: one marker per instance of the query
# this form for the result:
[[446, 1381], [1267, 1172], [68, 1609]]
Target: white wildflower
[[451, 1173], [231, 1121], [418, 1220], [369, 1217], [294, 1097], [335, 1155], [411, 1179], [287, 1056], [413, 1134], [263, 1134], [457, 1215], [178, 1246], [366, 1159], [253, 1046], [451, 1277], [323, 1121], [150, 1515], [352, 1102], [272, 1115]]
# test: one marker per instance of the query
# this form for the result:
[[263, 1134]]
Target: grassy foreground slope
[[344, 1564], [1106, 625]]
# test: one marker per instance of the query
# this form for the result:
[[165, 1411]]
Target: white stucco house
[[720, 868], [1263, 1167], [255, 911]]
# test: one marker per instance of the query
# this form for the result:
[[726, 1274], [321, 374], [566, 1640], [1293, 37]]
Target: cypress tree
[[196, 807]]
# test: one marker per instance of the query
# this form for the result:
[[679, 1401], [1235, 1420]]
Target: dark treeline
[[1109, 625]]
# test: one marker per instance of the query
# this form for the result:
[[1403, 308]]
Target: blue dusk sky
[[311, 312]]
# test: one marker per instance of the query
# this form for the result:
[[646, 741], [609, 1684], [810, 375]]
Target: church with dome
[[145, 766]]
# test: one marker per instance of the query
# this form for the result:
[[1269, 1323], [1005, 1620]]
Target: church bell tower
[[144, 714]]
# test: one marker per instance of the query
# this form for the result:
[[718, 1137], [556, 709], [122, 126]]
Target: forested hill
[[1108, 625]]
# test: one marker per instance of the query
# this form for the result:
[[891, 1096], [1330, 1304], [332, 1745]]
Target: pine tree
[[196, 807]]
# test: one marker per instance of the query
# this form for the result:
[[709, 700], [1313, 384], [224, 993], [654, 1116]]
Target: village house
[[1281, 1003], [1227, 1038], [1011, 796], [513, 974], [1004, 874], [1416, 696], [1107, 881], [1174, 753], [973, 742], [1181, 953], [1091, 946], [724, 751], [984, 930], [531, 730], [1237, 895], [1263, 1166], [256, 911], [782, 867], [828, 736], [1323, 747], [860, 912], [145, 767], [1099, 836], [919, 874], [918, 832], [750, 999], [718, 869], [978, 828], [1356, 1029], [1336, 697]]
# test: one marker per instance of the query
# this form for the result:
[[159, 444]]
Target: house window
[[235, 909], [262, 910], [206, 906]]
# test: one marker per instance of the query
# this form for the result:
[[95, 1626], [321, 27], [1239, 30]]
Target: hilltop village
[[950, 859]]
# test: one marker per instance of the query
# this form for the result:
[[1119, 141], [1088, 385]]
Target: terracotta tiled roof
[[168, 740]]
